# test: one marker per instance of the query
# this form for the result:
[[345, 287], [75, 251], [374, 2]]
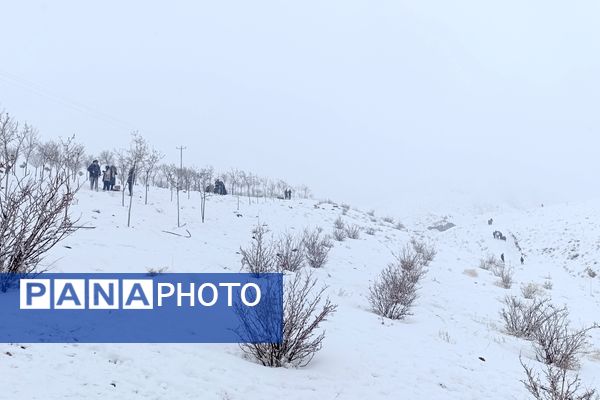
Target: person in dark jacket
[[94, 171], [131, 180], [113, 177]]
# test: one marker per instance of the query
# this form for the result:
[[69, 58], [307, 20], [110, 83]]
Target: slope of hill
[[452, 347]]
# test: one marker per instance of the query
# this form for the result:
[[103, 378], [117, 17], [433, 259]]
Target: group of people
[[109, 177], [287, 194], [219, 187]]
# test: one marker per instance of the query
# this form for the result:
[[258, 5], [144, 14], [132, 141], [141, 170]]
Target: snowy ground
[[434, 354]]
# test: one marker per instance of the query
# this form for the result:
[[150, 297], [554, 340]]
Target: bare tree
[[11, 140], [123, 162], [70, 158], [106, 157], [234, 179], [29, 146], [205, 176], [170, 173], [131, 160], [149, 167], [304, 191]]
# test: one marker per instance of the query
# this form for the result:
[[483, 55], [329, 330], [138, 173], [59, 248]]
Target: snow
[[433, 354]]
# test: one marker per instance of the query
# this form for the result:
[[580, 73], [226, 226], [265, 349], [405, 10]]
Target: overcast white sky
[[354, 98]]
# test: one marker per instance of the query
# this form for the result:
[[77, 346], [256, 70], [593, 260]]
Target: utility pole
[[181, 149]]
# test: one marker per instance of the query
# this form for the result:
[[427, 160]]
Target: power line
[[76, 106]]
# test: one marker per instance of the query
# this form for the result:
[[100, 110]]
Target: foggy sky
[[402, 99]]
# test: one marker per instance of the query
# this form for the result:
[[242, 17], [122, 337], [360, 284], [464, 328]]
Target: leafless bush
[[556, 344], [426, 252], [289, 252], [399, 225], [35, 217], [339, 234], [548, 285], [259, 258], [371, 213], [490, 263], [523, 318], [505, 274], [389, 220], [370, 231], [555, 385], [394, 292], [339, 223], [317, 247], [531, 290], [304, 309], [352, 231]]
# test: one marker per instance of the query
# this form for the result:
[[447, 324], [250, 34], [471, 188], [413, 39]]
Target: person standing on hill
[[113, 177], [106, 176], [131, 180], [94, 171]]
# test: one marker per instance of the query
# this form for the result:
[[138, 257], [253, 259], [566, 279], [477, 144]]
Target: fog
[[377, 104]]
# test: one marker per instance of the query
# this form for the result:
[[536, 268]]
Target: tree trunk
[[203, 205], [129, 211]]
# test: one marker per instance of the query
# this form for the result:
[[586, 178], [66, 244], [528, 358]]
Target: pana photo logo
[[132, 294], [138, 308]]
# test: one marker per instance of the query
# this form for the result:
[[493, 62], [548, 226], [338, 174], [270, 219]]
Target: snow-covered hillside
[[453, 347]]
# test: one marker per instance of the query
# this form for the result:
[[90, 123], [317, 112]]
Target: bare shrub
[[524, 318], [339, 223], [426, 252], [370, 231], [290, 252], [531, 290], [304, 309], [317, 247], [548, 285], [400, 226], [259, 257], [371, 213], [505, 274], [352, 231], [389, 220], [35, 218], [489, 263], [339, 235], [395, 290], [556, 344], [556, 384]]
